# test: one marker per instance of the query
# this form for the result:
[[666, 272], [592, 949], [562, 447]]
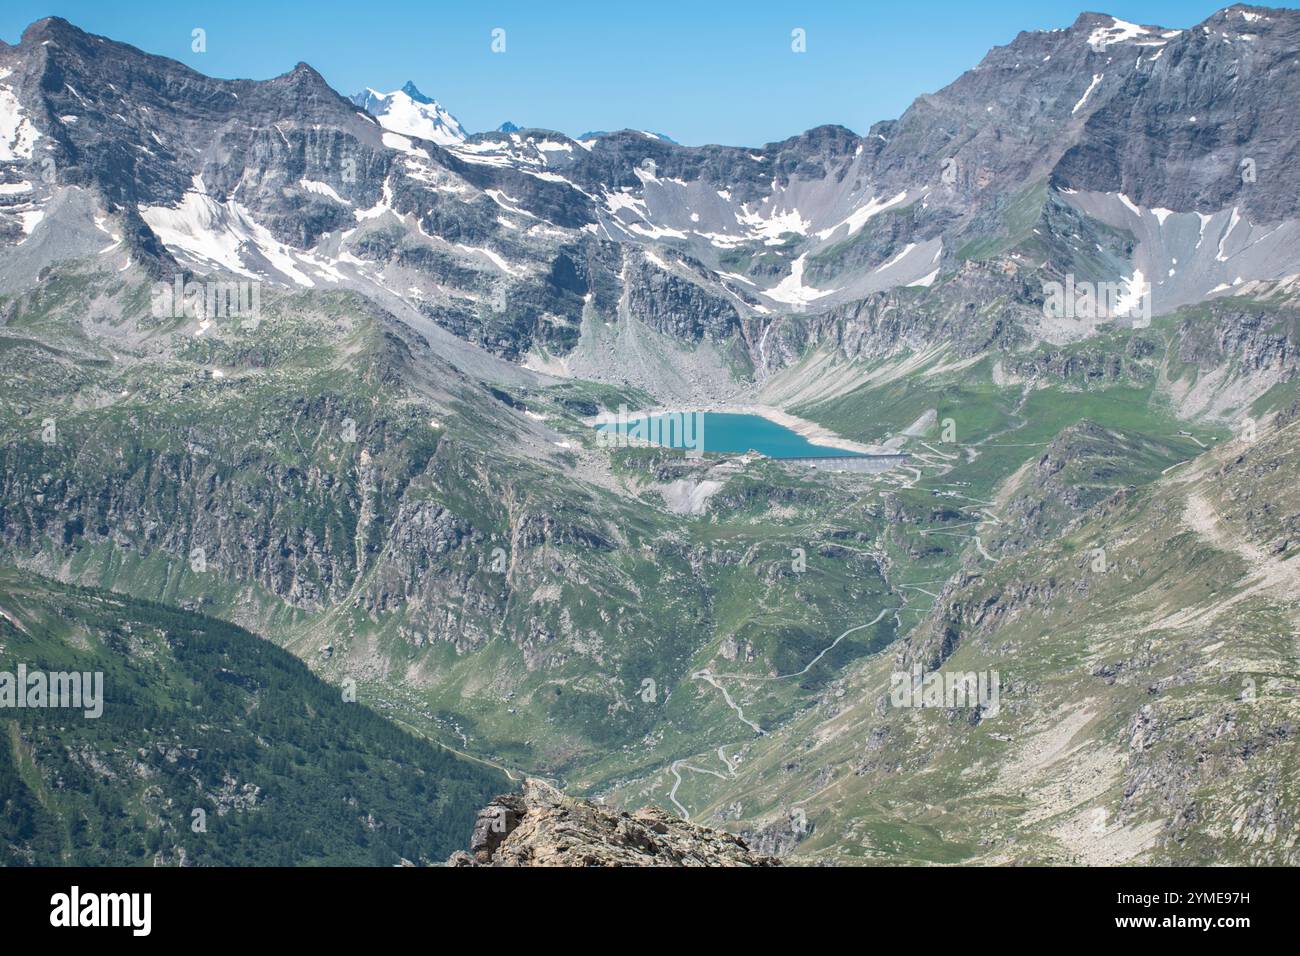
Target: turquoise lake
[[730, 432]]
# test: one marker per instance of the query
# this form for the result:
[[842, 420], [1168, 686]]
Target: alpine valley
[[296, 447]]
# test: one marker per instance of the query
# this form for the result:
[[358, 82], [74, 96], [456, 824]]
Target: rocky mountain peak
[[304, 79], [302, 69], [47, 28], [540, 826], [413, 91]]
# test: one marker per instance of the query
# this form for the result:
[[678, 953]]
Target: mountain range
[[383, 461]]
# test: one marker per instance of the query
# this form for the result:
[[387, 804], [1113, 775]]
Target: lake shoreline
[[813, 432]]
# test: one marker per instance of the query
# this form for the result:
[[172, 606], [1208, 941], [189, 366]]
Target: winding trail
[[826, 650], [707, 677], [508, 771], [679, 765], [809, 666]]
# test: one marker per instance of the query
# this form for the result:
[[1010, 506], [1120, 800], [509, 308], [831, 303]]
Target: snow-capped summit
[[410, 112]]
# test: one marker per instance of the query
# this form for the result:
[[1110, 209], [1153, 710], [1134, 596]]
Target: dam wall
[[866, 463]]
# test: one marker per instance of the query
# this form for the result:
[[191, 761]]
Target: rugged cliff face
[[543, 827]]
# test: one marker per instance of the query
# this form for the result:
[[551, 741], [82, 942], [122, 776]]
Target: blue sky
[[716, 71]]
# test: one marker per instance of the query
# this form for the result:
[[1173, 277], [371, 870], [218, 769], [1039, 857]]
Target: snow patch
[[17, 134], [30, 220], [1232, 224], [322, 189], [495, 257], [791, 289], [1118, 31], [906, 249], [219, 232], [858, 218], [772, 227], [1096, 78], [399, 142], [1135, 288]]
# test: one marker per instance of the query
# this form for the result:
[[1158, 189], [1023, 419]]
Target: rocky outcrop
[[542, 827], [677, 307], [1256, 338]]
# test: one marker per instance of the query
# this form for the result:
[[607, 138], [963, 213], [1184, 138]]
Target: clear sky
[[701, 71]]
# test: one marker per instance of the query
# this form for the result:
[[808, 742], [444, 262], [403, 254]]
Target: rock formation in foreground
[[543, 827]]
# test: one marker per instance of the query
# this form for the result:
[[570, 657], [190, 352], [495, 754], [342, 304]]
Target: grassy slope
[[1149, 713], [199, 714]]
